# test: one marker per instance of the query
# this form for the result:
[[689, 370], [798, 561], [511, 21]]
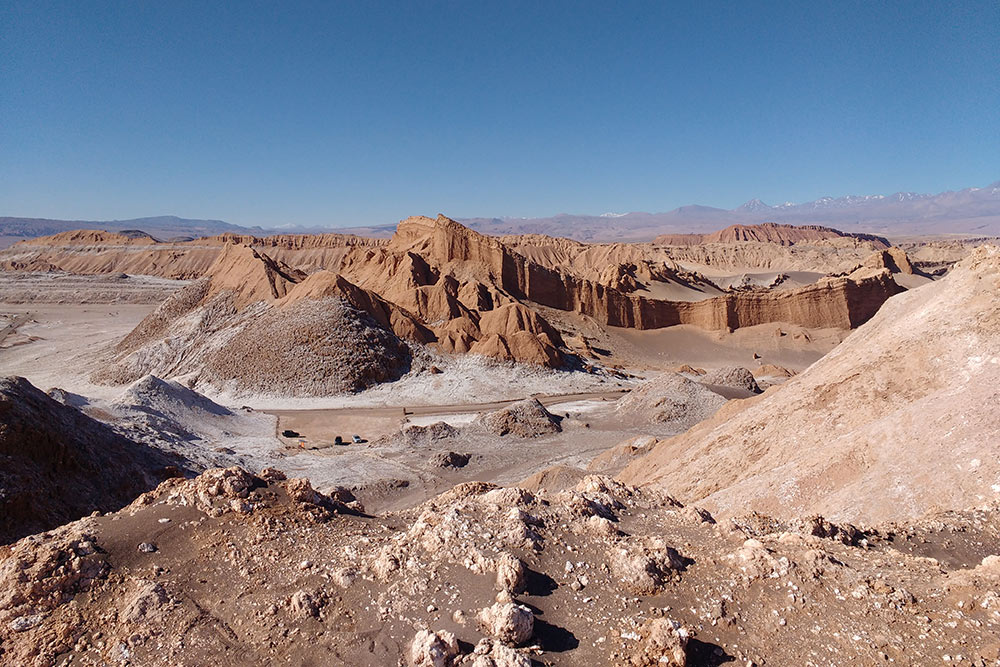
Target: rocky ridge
[[770, 232], [254, 323], [266, 568]]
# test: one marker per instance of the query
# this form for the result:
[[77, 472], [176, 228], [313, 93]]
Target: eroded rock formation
[[437, 283]]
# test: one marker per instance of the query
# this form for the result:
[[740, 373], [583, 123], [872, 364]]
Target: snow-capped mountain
[[972, 211], [754, 206]]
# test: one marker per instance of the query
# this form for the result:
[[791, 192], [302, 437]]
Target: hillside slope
[[57, 464], [243, 329], [899, 419]]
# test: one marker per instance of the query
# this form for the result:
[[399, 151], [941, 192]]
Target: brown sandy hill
[[670, 399], [772, 371], [897, 420], [325, 284], [257, 326], [253, 276], [526, 419], [236, 568], [57, 464], [734, 377], [315, 347]]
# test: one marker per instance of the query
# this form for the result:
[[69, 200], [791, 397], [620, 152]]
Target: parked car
[[356, 439], [289, 433]]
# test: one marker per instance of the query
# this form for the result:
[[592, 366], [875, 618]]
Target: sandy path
[[320, 426]]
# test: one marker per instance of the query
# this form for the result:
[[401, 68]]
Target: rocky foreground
[[234, 567]]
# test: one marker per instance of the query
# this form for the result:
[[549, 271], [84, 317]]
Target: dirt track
[[318, 425], [452, 409]]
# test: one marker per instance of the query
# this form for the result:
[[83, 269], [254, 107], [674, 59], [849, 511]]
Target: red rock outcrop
[[836, 302], [326, 284], [893, 258], [251, 275]]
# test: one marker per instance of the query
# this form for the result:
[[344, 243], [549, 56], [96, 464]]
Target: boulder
[[645, 568], [527, 419], [433, 649], [494, 654], [450, 460], [736, 377], [664, 644], [508, 622]]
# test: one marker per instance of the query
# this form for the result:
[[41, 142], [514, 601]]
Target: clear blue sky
[[338, 113]]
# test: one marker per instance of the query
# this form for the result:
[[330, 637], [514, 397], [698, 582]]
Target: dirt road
[[322, 425]]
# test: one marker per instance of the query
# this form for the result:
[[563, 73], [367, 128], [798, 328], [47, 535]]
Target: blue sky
[[337, 113]]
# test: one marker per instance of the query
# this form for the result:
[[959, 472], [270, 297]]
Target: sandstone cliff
[[768, 232], [835, 302]]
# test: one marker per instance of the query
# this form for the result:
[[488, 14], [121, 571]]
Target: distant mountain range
[[163, 227], [968, 212]]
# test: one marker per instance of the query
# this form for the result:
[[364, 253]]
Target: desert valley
[[770, 444], [499, 334]]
